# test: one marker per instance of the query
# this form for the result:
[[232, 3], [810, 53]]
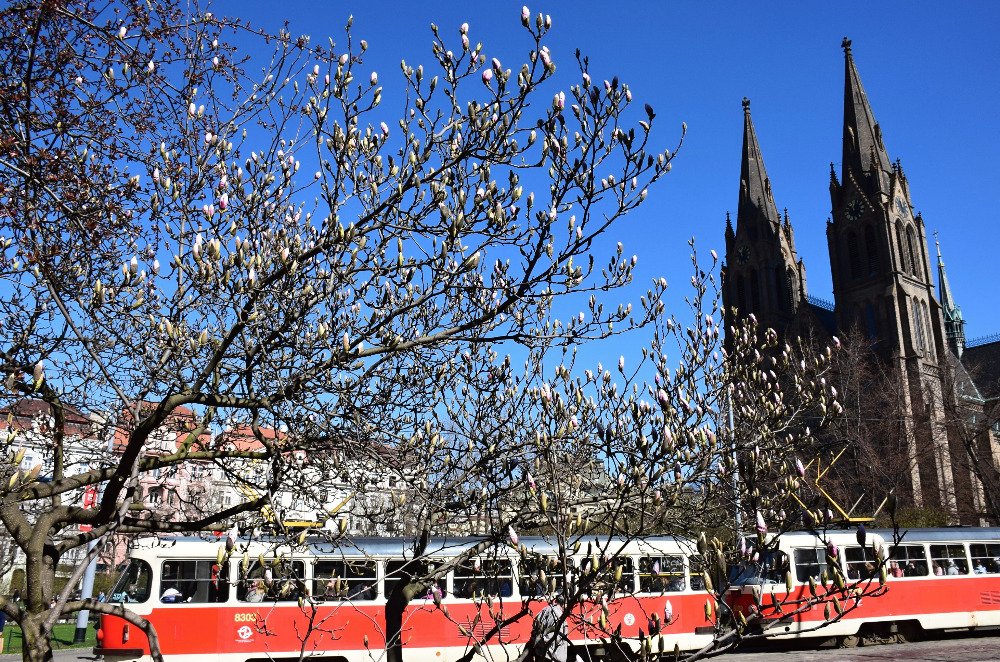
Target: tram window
[[985, 558], [949, 559], [604, 582], [661, 574], [544, 575], [770, 568], [202, 580], [345, 580], [809, 563], [134, 584], [696, 580], [284, 584], [860, 563], [394, 573], [477, 578], [909, 561]]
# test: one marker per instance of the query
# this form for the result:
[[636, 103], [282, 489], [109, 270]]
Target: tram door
[[189, 617]]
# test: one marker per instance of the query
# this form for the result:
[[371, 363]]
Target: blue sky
[[930, 70]]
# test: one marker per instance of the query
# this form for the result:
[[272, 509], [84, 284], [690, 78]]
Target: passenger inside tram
[[770, 568]]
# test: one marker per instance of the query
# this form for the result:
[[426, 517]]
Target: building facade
[[883, 288], [358, 500]]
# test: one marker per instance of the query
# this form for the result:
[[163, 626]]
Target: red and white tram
[[937, 579], [203, 610]]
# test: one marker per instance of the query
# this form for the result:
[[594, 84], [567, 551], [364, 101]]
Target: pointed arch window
[[930, 333], [919, 339], [904, 266], [853, 255], [911, 252], [741, 294], [871, 250], [779, 289], [754, 292], [790, 289], [871, 322]]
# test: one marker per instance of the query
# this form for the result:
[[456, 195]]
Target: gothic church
[[883, 287]]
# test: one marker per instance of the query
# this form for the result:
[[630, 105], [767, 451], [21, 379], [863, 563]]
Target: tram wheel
[[909, 632], [616, 653], [849, 641]]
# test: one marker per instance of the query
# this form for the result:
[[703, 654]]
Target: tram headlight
[[125, 634]]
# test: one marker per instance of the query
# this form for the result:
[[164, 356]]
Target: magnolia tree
[[592, 459], [257, 241], [254, 242]]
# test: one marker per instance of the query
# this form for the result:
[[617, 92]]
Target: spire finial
[[746, 105], [937, 243], [846, 45]]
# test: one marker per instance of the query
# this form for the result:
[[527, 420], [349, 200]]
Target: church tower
[[882, 285], [763, 275]]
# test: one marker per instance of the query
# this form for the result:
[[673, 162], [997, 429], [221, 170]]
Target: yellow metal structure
[[846, 515]]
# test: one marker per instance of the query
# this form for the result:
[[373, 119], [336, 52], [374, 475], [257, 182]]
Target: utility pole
[[87, 590], [736, 462]]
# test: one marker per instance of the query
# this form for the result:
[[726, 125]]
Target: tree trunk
[[35, 647], [395, 605]]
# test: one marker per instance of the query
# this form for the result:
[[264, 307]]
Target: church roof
[[983, 365], [823, 313]]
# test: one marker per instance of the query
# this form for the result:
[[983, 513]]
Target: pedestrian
[[3, 624], [550, 634]]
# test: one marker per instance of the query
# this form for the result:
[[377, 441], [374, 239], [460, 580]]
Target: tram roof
[[399, 546], [943, 534]]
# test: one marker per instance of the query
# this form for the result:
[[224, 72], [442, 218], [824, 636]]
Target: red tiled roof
[[23, 412], [242, 437], [181, 421]]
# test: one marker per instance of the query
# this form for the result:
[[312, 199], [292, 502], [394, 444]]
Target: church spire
[[864, 152], [756, 199], [954, 325]]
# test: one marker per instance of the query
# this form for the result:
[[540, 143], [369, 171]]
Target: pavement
[[981, 646], [957, 647]]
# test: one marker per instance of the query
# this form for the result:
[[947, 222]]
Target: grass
[[62, 637]]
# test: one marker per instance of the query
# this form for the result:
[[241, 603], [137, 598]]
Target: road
[[958, 647], [962, 647]]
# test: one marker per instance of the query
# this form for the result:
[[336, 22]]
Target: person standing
[[550, 634], [3, 624]]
